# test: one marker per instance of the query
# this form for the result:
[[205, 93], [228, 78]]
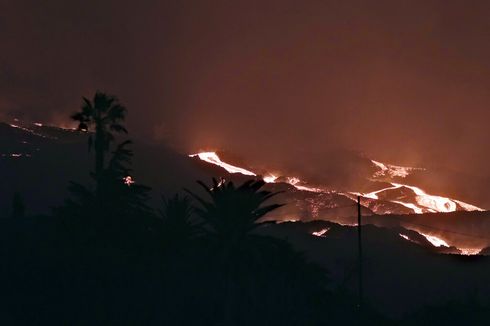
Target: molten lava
[[213, 158], [470, 251], [321, 233], [270, 178], [30, 131], [436, 242], [431, 202], [295, 182], [404, 236], [425, 203], [392, 170], [422, 202]]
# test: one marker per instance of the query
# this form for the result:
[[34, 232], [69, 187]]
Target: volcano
[[390, 197], [34, 155]]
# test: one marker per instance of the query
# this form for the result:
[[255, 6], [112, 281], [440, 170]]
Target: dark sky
[[404, 81]]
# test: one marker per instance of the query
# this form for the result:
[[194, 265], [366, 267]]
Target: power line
[[359, 243]]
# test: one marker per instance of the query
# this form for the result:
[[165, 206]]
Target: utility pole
[[359, 239]]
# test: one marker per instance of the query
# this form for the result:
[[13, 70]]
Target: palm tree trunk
[[99, 154]]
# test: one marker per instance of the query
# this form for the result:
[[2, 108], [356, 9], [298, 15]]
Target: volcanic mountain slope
[[382, 187], [400, 275], [33, 155], [39, 161], [455, 226]]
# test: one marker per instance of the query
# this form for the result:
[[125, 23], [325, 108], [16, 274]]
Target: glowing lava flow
[[415, 208], [435, 203], [470, 251], [374, 194], [270, 178], [30, 131], [404, 236], [424, 201], [468, 207], [321, 233], [295, 182], [213, 158], [393, 170], [436, 242]]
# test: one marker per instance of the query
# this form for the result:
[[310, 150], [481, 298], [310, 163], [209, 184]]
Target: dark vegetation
[[106, 258]]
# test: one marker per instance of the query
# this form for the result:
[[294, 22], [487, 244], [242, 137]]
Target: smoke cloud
[[402, 81]]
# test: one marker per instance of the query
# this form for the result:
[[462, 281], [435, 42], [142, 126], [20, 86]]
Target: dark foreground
[[80, 272]]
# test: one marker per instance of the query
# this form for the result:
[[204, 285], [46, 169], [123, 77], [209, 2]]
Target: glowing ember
[[221, 182], [213, 158], [38, 124], [321, 233], [436, 242], [128, 180]]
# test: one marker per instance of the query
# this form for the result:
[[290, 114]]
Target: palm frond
[[118, 128], [233, 211], [116, 112]]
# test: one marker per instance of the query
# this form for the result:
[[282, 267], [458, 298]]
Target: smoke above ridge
[[403, 81]]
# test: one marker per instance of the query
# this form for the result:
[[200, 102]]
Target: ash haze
[[403, 81]]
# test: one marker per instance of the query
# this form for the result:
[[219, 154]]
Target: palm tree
[[234, 212], [18, 207], [230, 218], [103, 115], [128, 199], [176, 215], [253, 272], [112, 195]]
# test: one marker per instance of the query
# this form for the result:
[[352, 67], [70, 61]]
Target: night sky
[[403, 81]]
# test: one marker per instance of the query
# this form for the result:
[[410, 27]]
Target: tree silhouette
[[233, 212], [230, 218], [122, 197], [113, 197], [103, 115], [18, 207], [178, 226]]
